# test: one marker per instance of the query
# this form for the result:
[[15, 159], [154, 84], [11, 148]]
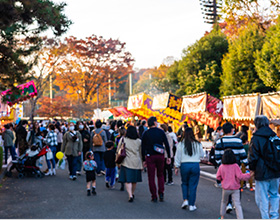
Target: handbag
[[159, 148], [121, 153]]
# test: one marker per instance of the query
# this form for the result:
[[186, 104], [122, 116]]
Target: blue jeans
[[80, 162], [98, 157], [72, 164], [12, 152], [190, 173], [53, 149], [111, 175], [266, 193]]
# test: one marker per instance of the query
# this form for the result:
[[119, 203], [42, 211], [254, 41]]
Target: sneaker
[[103, 172], [93, 191], [53, 172], [74, 177], [107, 184], [99, 174], [49, 173], [241, 189], [154, 200], [112, 187], [78, 173], [229, 208], [251, 189], [71, 177], [185, 204], [218, 185], [170, 183], [192, 208], [88, 192]]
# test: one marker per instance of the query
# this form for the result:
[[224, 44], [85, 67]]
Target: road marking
[[213, 176], [207, 167]]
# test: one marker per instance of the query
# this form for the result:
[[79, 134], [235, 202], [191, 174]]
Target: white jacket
[[181, 157]]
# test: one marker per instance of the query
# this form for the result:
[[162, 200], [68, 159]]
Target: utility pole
[[51, 94], [210, 10], [130, 83], [110, 98], [97, 93]]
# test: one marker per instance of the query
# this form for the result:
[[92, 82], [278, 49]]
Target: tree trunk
[[33, 102]]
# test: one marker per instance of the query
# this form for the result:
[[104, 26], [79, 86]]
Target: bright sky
[[151, 29]]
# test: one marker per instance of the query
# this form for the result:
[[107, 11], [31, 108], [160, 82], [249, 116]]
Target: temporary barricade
[[203, 108]]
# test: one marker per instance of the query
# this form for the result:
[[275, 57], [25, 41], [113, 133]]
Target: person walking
[[21, 135], [51, 141], [234, 143], [187, 158], [110, 164], [90, 166], [130, 172], [98, 140], [8, 138], [167, 173], [72, 147], [154, 139], [266, 178], [230, 174]]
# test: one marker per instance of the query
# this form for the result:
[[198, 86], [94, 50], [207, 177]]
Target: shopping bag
[[49, 155], [61, 164]]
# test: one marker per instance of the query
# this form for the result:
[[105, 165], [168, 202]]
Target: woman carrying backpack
[[98, 140]]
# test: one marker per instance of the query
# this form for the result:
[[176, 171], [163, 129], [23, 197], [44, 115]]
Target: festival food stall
[[11, 109], [166, 108], [206, 110], [270, 107], [242, 109], [203, 108]]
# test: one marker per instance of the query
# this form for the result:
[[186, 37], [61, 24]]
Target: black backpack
[[271, 154], [212, 157]]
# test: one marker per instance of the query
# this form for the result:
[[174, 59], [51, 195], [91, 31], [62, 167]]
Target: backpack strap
[[100, 131]]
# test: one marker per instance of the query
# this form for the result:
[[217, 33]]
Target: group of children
[[110, 164]]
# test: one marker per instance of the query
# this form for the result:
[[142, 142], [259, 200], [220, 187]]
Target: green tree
[[25, 19], [239, 73], [196, 62], [268, 59]]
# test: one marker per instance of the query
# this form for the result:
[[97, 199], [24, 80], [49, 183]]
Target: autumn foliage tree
[[88, 64], [238, 14], [59, 106]]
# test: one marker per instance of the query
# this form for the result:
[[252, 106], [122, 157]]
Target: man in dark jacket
[[267, 180], [21, 134], [154, 160]]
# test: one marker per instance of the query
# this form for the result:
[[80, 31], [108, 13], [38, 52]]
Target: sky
[[151, 29]]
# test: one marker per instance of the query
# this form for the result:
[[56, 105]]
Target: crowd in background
[[154, 148]]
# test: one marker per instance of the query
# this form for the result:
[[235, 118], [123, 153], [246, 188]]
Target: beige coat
[[133, 158], [72, 148]]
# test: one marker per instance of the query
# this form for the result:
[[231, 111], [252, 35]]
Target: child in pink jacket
[[230, 174]]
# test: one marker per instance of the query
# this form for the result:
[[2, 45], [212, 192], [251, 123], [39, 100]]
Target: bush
[[1, 158]]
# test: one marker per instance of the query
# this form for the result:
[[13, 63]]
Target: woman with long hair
[[187, 158]]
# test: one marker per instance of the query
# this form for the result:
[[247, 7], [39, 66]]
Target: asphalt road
[[59, 197]]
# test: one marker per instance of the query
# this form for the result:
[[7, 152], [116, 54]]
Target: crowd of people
[[95, 148]]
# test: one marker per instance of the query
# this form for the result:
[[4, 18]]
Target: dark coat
[[256, 150]]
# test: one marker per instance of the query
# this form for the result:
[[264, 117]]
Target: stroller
[[26, 163]]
